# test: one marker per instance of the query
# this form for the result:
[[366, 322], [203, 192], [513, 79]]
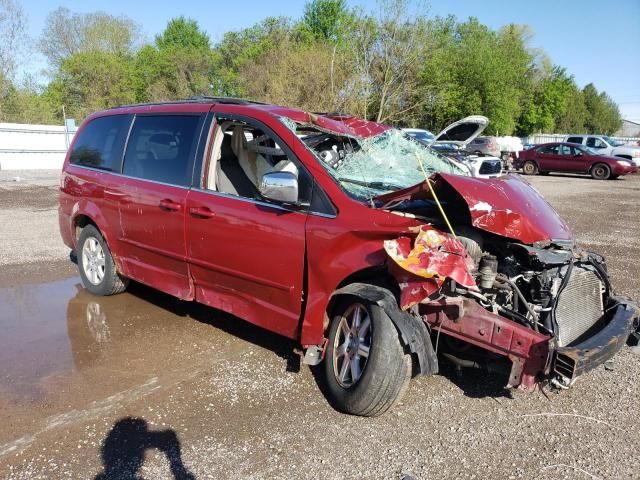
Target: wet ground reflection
[[59, 327]]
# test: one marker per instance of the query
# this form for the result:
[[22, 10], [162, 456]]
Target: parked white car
[[454, 140], [607, 146]]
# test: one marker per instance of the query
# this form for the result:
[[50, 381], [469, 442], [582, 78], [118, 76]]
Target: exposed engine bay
[[558, 292], [488, 262]]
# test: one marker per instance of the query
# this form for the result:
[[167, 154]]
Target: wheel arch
[[90, 214], [413, 332]]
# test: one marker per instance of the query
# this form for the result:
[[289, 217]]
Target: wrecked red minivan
[[370, 250]]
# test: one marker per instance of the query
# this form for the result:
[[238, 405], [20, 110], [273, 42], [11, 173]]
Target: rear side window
[[553, 149], [100, 142], [574, 140], [162, 148]]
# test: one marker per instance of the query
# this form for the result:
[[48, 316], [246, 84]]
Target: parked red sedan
[[570, 157]]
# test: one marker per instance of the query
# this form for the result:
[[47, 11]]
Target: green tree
[[327, 20], [603, 115], [177, 66], [475, 70], [182, 33], [91, 81]]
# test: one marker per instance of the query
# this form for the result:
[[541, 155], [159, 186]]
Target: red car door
[[547, 158], [157, 171], [576, 159], [246, 254]]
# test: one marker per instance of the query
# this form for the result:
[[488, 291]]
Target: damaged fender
[[414, 334], [433, 257]]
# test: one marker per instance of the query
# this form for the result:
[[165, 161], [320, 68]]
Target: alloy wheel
[[93, 260], [351, 345]]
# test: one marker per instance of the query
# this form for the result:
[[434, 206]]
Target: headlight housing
[[635, 153], [624, 163]]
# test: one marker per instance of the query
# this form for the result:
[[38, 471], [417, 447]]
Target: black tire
[[386, 373], [530, 168], [601, 171], [109, 282]]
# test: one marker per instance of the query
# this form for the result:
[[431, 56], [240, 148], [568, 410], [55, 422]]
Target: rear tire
[[358, 384], [601, 171], [95, 264], [530, 168]]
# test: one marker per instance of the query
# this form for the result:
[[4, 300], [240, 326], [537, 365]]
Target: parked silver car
[[485, 146]]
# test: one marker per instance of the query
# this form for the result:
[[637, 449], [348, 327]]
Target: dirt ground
[[94, 387]]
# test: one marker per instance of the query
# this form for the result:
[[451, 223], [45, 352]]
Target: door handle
[[202, 212], [170, 205]]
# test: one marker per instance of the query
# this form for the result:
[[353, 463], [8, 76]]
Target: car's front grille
[[579, 305], [490, 167]]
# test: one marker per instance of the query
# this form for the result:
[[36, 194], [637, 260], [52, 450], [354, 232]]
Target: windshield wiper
[[374, 185]]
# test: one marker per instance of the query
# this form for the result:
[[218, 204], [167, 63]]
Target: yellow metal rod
[[435, 197]]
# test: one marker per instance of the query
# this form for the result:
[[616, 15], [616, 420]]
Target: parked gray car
[[485, 146]]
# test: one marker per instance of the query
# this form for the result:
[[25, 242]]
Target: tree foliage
[[12, 39], [393, 64], [66, 33]]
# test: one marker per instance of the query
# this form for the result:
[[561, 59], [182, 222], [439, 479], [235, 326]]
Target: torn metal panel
[[433, 256], [528, 350], [510, 207]]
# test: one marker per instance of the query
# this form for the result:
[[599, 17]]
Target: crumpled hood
[[509, 206]]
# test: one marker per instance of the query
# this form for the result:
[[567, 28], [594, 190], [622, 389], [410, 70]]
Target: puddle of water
[[58, 327]]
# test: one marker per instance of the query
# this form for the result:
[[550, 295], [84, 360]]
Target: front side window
[[162, 148], [100, 143], [243, 153]]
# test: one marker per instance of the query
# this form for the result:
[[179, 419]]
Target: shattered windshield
[[368, 167]]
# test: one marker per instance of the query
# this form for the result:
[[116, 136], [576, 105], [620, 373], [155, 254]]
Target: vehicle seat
[[253, 164], [230, 177]]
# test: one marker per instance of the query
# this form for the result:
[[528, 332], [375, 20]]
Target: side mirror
[[279, 187]]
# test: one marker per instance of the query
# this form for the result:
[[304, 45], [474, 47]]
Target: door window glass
[[243, 153], [162, 148], [574, 140], [100, 142], [566, 150], [594, 142], [549, 150]]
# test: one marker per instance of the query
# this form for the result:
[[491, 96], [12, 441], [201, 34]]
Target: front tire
[[366, 368], [600, 171], [530, 168], [95, 264]]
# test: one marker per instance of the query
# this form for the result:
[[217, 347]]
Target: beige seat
[[253, 164]]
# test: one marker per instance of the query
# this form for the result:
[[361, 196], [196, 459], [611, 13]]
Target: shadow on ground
[[123, 450]]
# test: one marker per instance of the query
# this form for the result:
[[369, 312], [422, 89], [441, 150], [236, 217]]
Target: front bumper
[[533, 355], [621, 319]]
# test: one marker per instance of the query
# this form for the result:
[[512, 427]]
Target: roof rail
[[196, 99]]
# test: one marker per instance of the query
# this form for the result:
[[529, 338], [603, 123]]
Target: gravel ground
[[103, 386]]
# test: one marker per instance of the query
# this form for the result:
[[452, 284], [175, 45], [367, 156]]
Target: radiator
[[579, 305]]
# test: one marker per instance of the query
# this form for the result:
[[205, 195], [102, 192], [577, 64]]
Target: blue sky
[[596, 41]]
